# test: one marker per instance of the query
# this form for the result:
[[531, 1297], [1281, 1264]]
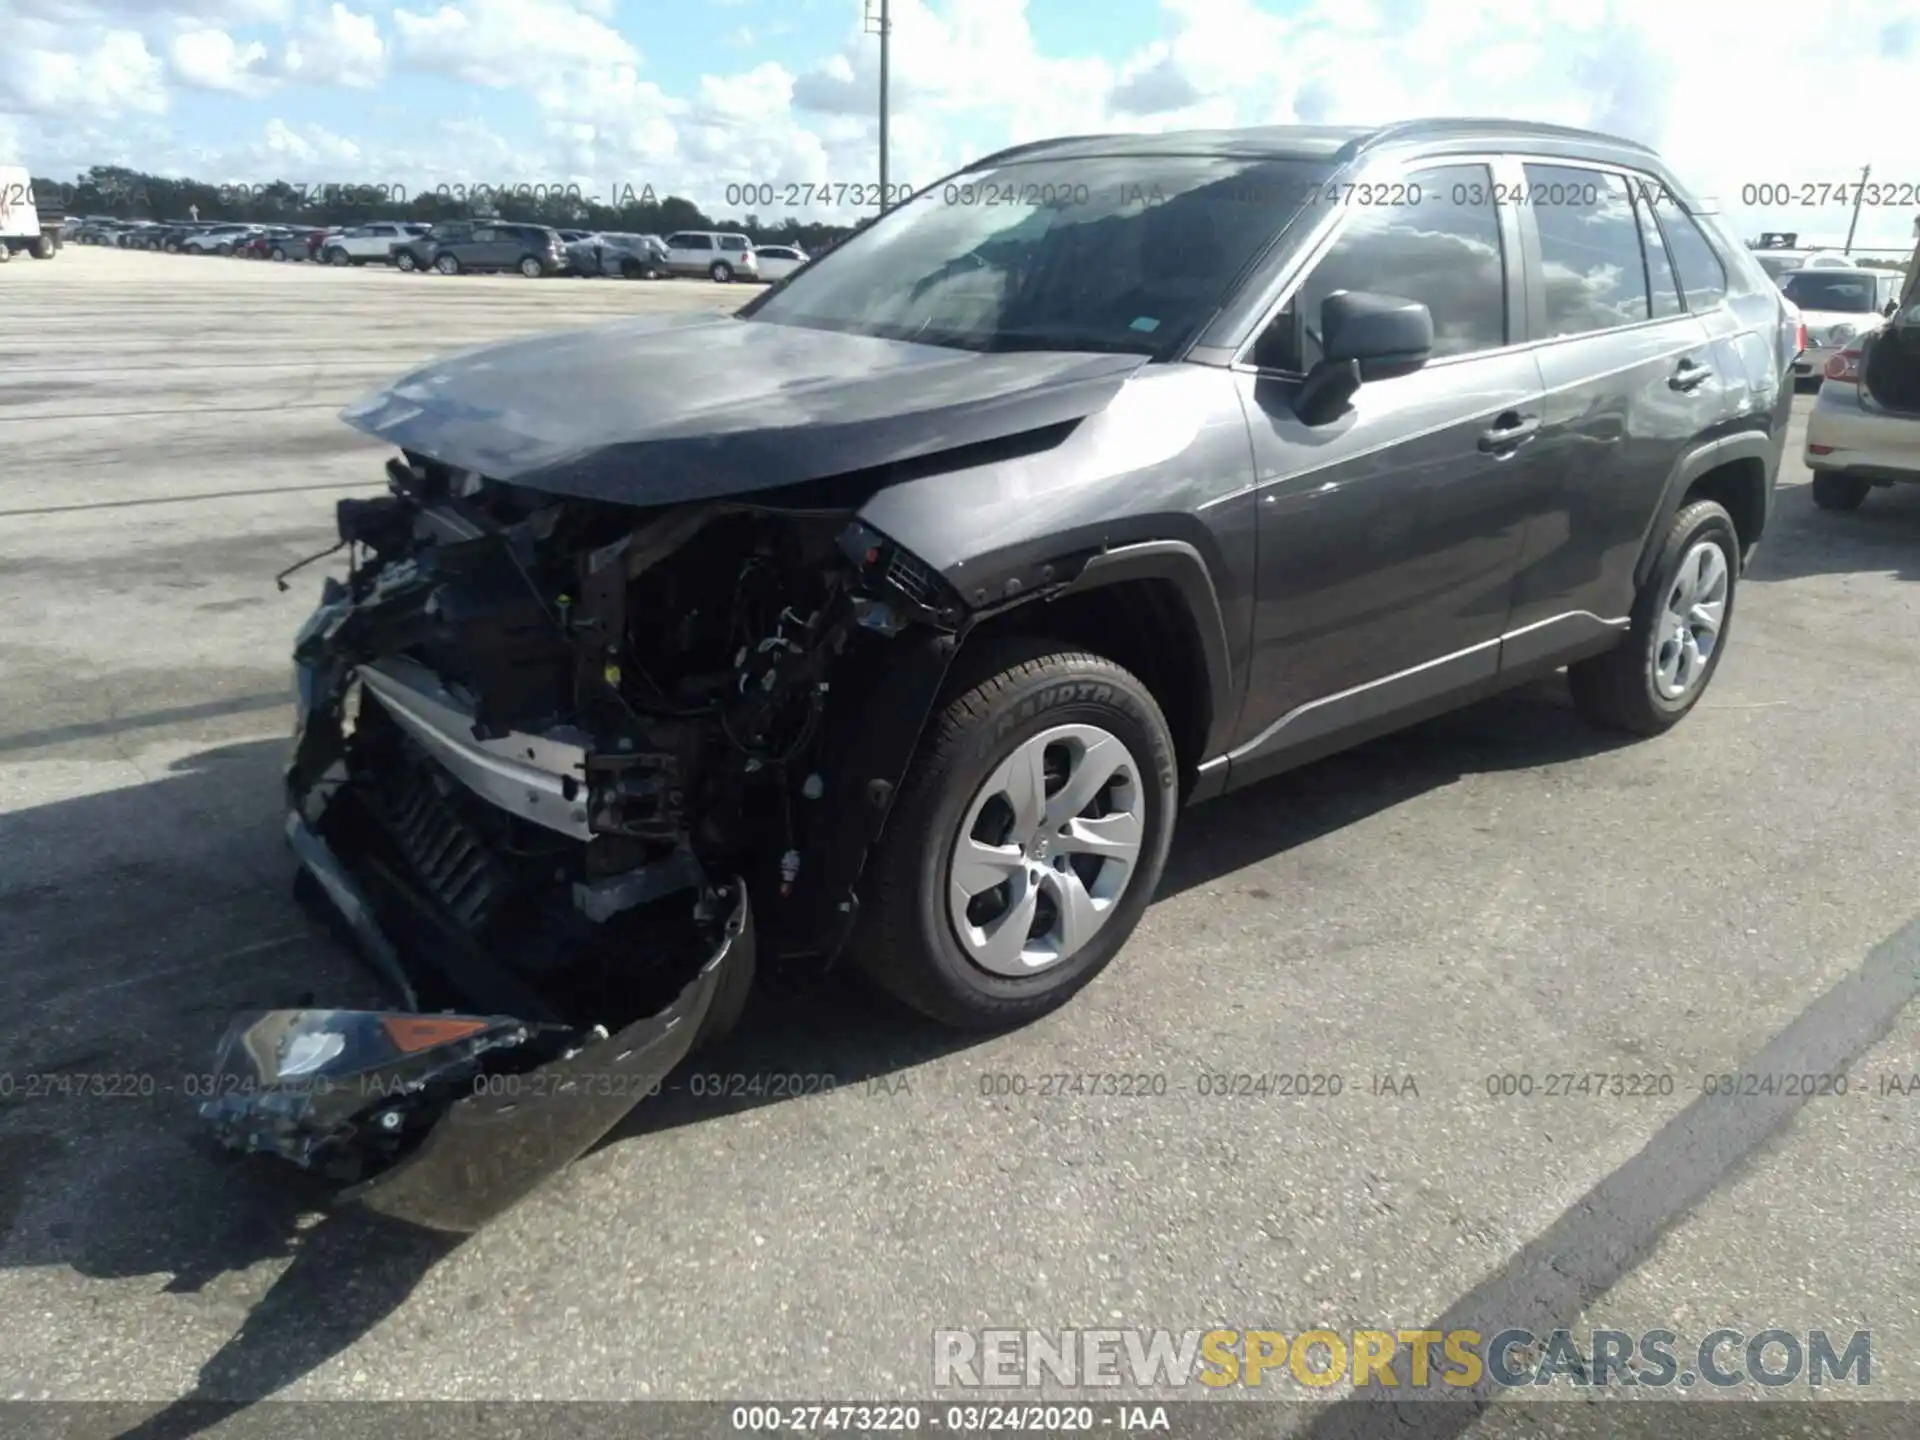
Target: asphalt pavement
[[1500, 893]]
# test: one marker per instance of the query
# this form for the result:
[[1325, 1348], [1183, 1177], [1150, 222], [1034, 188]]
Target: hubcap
[[1690, 621], [1046, 850]]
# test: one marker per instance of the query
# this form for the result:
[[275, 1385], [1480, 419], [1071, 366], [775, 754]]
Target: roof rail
[[1000, 156], [1469, 127]]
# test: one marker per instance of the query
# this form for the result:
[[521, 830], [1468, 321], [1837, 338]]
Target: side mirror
[[1890, 309], [1363, 336]]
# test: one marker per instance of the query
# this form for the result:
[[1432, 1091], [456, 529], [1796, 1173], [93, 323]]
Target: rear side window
[[695, 242], [1703, 276], [1590, 254], [732, 242], [1442, 249]]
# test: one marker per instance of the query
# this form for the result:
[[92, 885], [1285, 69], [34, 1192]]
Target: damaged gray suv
[[1106, 476]]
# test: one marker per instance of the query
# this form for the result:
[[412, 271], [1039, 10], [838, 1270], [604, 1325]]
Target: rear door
[[1632, 379]]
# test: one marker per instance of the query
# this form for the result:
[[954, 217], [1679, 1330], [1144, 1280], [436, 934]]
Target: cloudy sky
[[692, 95]]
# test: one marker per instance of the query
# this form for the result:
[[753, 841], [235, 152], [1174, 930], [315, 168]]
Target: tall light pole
[[882, 25], [1858, 196]]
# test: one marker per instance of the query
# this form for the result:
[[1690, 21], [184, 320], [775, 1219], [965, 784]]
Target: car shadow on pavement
[[133, 963], [1881, 537]]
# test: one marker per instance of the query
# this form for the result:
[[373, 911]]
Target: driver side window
[[1441, 247]]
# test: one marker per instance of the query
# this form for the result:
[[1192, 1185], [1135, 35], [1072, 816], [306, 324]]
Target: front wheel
[[339, 257], [43, 247], [1836, 490], [1028, 838], [405, 263], [1677, 634], [279, 256], [223, 249]]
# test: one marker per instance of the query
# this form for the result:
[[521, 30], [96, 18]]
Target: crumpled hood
[[664, 409]]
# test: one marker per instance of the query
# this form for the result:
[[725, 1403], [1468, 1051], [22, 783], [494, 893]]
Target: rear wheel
[[531, 267], [447, 265], [722, 273], [279, 255], [223, 248], [1837, 490], [1027, 840], [1678, 632]]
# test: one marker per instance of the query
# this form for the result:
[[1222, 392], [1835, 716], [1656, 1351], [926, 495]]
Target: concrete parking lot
[[1505, 891]]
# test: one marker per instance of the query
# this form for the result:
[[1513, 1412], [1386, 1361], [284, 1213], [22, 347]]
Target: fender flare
[[1747, 445], [1182, 565]]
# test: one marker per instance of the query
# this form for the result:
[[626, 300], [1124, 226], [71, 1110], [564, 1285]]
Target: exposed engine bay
[[553, 757]]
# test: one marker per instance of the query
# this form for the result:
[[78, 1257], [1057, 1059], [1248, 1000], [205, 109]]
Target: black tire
[[631, 270], [404, 262], [532, 267], [1616, 690], [721, 273], [336, 256], [42, 247], [1008, 692], [447, 265], [279, 255], [1837, 490]]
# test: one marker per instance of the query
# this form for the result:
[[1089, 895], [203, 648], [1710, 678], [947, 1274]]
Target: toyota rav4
[[1106, 476]]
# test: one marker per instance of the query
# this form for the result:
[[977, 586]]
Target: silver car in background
[[632, 257], [1838, 306], [1864, 430]]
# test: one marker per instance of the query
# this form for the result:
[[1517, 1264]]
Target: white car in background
[[779, 261], [719, 255], [1838, 306], [216, 239]]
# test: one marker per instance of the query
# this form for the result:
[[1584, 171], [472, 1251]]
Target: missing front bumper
[[444, 1120]]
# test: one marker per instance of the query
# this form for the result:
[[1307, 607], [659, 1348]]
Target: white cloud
[[336, 46], [531, 44], [108, 73], [214, 60]]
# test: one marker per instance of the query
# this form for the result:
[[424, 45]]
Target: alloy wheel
[[1690, 620], [1047, 847]]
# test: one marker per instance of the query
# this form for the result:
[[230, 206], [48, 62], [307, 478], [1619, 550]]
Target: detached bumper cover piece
[[443, 1120]]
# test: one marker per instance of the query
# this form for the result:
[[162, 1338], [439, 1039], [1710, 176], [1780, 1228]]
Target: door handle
[[1688, 375], [1509, 431]]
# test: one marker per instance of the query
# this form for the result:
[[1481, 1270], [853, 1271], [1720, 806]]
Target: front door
[[1388, 539]]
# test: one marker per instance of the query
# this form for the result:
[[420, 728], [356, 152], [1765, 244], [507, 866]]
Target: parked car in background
[[1199, 492], [533, 250], [718, 255], [478, 245], [368, 244], [274, 242], [633, 257], [776, 262], [1838, 306], [1864, 430], [220, 239]]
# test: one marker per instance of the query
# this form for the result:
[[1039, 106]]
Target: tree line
[[127, 194]]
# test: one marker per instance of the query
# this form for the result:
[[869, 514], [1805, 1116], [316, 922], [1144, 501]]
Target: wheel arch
[[1736, 471], [1152, 608]]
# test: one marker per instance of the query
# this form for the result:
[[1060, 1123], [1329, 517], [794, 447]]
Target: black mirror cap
[[1386, 334]]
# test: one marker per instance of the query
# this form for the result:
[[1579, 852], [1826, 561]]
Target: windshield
[[1828, 290], [1114, 253]]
